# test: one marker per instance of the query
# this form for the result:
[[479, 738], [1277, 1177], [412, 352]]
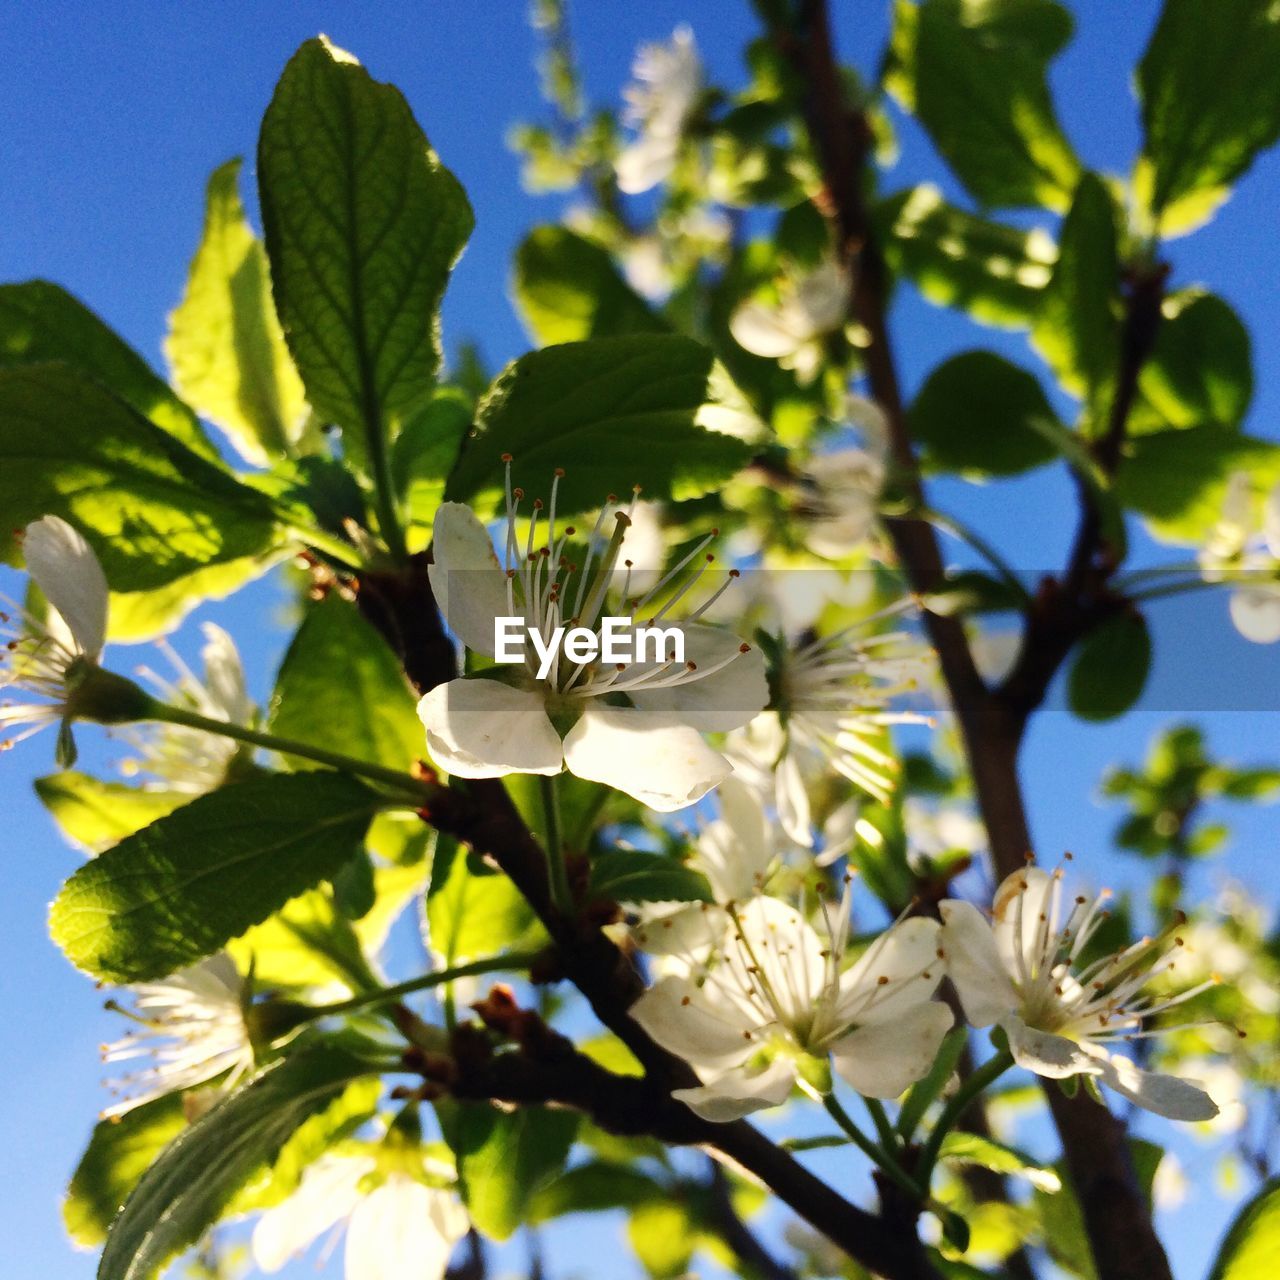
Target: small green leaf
[[975, 75], [375, 719], [119, 1153], [363, 225], [593, 1187], [663, 1237], [960, 1147], [184, 886], [1077, 329], [505, 1158], [993, 272], [624, 876], [1251, 1248], [568, 289], [614, 413], [98, 814], [1200, 139], [42, 323], [225, 346], [1110, 668], [974, 413], [425, 452], [188, 1188]]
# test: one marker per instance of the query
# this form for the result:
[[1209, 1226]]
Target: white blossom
[[46, 658], [773, 992], [189, 1029], [1248, 553], [667, 81], [1024, 972], [396, 1225], [637, 727]]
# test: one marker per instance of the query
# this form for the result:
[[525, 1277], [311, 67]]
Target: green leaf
[[363, 225], [568, 289], [1110, 668], [187, 1189], [614, 412], [1177, 478], [1200, 137], [968, 1148], [625, 876], [152, 509], [975, 75], [119, 1153], [594, 1187], [42, 323], [225, 346], [505, 1158], [1201, 370], [183, 887], [1077, 329], [425, 451], [993, 272], [663, 1237], [1251, 1248], [472, 911], [336, 652], [974, 413], [98, 814]]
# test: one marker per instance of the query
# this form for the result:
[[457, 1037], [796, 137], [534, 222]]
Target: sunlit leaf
[[98, 814]]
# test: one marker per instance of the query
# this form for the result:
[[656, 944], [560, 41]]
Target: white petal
[[974, 965], [694, 1024], [1255, 611], [1271, 522], [681, 931], [403, 1229], [789, 953], [823, 296], [224, 675], [907, 956], [1021, 898], [328, 1192], [738, 1093], [793, 801], [883, 1059], [723, 700], [735, 850], [655, 758], [68, 573], [479, 728], [1161, 1094], [645, 163], [1048, 1055], [469, 584], [764, 331]]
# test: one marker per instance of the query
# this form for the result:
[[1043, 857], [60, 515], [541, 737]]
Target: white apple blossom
[[810, 305], [637, 727], [667, 81], [1239, 547], [189, 1029], [47, 658], [1023, 972], [396, 1225], [773, 993]]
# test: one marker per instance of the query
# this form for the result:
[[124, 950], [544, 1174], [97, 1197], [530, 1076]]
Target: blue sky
[[115, 116]]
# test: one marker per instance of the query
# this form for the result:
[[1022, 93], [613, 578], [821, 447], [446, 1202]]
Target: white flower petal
[[974, 964], [328, 1192], [695, 1023], [740, 1092], [658, 759], [1048, 1055], [765, 331], [1020, 900], [478, 728], [403, 1228], [1271, 522], [224, 675], [794, 814], [469, 584], [896, 973], [723, 700], [68, 573], [1163, 1095], [735, 850], [883, 1059], [1255, 611], [645, 163]]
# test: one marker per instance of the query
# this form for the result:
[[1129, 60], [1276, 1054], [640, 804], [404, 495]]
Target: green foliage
[[593, 1187], [98, 814], [995, 273], [505, 1158], [1251, 1249], [224, 345], [975, 75], [152, 509], [363, 225], [176, 891], [1201, 137], [374, 719], [187, 1189], [627, 876], [1110, 668], [424, 452], [120, 1151], [975, 413], [962, 1148], [614, 412], [568, 289], [42, 323]]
